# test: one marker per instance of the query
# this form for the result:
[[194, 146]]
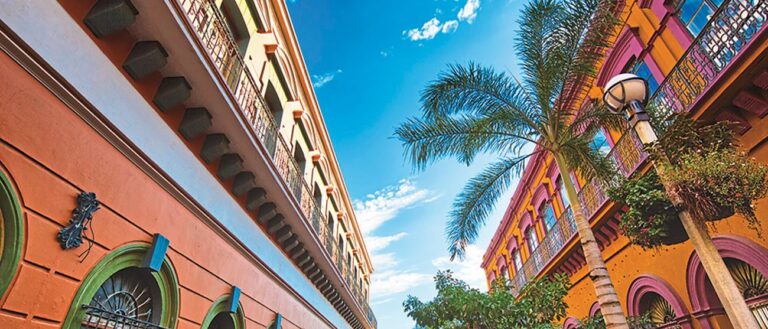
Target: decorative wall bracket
[[72, 235]]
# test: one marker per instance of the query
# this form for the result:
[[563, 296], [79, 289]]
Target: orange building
[[706, 58], [165, 164]]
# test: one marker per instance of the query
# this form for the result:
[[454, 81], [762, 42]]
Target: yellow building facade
[[708, 59]]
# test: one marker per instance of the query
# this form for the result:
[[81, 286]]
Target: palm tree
[[469, 110]]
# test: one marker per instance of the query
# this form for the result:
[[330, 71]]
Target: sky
[[369, 61]]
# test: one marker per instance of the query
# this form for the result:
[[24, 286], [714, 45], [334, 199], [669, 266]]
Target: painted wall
[[49, 167], [654, 34]]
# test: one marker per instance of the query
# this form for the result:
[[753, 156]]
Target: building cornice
[[43, 73], [286, 27]]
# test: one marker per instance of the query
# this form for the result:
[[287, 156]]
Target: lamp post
[[628, 93]]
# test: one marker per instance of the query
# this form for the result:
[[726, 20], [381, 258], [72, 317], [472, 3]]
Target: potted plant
[[650, 220], [707, 172]]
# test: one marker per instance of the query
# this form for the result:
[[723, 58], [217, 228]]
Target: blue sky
[[369, 61]]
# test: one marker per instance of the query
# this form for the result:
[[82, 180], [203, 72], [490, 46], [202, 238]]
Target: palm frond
[[581, 156], [475, 90], [534, 45], [463, 137], [473, 205], [595, 116]]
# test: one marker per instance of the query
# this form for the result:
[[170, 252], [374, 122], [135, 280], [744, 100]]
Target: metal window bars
[[97, 318]]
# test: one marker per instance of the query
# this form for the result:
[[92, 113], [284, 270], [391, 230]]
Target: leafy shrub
[[707, 173], [647, 222]]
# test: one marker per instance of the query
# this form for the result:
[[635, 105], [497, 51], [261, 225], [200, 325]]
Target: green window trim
[[127, 256], [221, 306], [13, 233]]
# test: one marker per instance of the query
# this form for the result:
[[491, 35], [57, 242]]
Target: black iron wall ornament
[[72, 235]]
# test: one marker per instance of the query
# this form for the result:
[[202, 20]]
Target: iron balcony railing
[[211, 28], [722, 39], [627, 155]]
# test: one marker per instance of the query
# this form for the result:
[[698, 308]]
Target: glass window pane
[[642, 70], [700, 20], [517, 259], [533, 240], [549, 217], [688, 9]]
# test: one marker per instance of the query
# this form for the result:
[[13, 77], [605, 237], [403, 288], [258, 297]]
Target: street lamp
[[627, 93]]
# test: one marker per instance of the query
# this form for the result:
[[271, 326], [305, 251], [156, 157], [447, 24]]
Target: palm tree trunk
[[610, 306]]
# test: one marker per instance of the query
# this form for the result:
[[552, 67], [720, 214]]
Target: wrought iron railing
[[213, 32], [98, 318], [726, 34], [627, 154]]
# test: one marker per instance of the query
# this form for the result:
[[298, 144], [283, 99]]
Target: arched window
[[641, 69], [119, 290], [517, 260], [330, 224], [531, 238], [750, 281], [651, 295], [696, 13], [274, 103], [318, 196], [301, 160], [747, 262], [11, 233], [659, 309], [547, 214], [220, 316], [503, 272]]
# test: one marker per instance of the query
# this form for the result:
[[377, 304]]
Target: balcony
[[727, 33], [208, 23], [627, 155]]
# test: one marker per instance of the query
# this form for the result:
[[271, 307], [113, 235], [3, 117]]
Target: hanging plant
[[651, 220], [706, 171]]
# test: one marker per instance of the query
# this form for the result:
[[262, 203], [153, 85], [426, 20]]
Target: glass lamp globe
[[624, 89]]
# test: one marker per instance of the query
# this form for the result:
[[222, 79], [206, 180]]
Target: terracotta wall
[[51, 155]]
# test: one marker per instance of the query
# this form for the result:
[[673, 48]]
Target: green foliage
[[707, 172], [470, 109], [719, 181], [634, 322], [650, 211], [538, 306]]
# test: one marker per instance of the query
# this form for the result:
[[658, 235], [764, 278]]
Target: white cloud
[[388, 283], [468, 13], [427, 31], [376, 209], [384, 261], [377, 243], [322, 79], [431, 28], [384, 53], [450, 26], [468, 269], [384, 205]]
